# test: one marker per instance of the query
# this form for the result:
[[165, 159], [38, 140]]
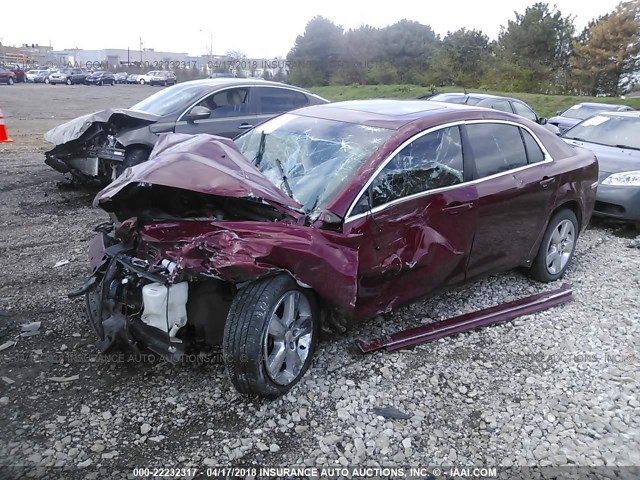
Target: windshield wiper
[[258, 158], [285, 182], [629, 147]]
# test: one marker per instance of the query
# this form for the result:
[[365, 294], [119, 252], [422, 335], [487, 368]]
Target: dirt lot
[[556, 388]]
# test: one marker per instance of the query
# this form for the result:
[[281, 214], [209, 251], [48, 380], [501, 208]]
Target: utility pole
[[141, 52]]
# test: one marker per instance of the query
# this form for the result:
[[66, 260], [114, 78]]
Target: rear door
[[417, 220], [513, 195], [272, 101], [232, 111]]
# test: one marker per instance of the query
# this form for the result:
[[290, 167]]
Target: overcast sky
[[262, 29]]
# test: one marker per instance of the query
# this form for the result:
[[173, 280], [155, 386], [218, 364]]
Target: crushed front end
[[136, 299]]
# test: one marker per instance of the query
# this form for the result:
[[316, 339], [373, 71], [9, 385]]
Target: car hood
[[74, 129], [201, 163], [611, 159]]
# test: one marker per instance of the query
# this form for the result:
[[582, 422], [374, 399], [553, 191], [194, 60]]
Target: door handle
[[457, 207], [547, 181], [245, 126]]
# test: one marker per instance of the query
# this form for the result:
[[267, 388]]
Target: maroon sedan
[[328, 214]]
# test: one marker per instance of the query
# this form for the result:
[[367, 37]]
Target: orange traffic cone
[[3, 130]]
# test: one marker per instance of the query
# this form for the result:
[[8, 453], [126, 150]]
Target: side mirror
[[559, 112], [199, 113], [542, 121]]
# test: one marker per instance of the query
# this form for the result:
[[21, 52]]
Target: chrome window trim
[[245, 86], [349, 218]]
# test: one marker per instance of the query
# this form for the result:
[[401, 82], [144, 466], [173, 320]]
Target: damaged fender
[[238, 252]]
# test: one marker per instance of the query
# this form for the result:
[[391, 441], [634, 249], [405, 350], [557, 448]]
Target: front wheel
[[10, 81], [270, 336], [68, 81], [133, 156], [142, 82], [557, 247]]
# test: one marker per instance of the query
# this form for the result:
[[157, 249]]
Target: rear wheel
[[68, 81], [46, 80], [10, 81], [142, 82], [557, 247], [270, 336]]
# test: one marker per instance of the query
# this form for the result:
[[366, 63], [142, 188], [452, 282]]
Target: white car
[[146, 78], [32, 74]]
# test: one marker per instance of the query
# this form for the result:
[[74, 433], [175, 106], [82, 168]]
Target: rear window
[[496, 148]]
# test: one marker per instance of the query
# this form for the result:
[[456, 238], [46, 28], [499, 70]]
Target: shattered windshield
[[311, 159], [170, 100], [614, 131]]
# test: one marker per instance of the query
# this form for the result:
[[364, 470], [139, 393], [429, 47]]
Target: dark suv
[[70, 76]]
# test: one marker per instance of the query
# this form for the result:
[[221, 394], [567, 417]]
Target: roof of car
[[474, 95], [234, 81], [393, 114]]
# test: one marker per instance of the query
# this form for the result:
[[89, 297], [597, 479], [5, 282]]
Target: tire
[[165, 83], [557, 247], [47, 81], [10, 81], [100, 83], [250, 342], [142, 82], [68, 81], [133, 156]]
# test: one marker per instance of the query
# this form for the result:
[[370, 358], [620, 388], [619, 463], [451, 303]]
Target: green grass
[[544, 105]]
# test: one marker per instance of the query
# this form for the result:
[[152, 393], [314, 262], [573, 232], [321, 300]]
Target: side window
[[233, 102], [278, 100], [431, 161], [534, 152], [496, 148], [524, 111], [502, 105]]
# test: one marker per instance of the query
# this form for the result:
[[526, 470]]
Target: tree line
[[537, 52]]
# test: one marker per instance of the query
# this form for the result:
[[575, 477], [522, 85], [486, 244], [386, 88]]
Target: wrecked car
[[321, 217], [97, 147]]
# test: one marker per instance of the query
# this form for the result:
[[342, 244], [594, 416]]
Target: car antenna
[[465, 92]]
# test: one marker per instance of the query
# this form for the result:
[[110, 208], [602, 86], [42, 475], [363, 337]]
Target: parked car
[[121, 77], [146, 78], [615, 139], [101, 145], [163, 77], [42, 76], [336, 212], [70, 76], [100, 77], [133, 78], [504, 104], [20, 74], [574, 115], [7, 76], [32, 74]]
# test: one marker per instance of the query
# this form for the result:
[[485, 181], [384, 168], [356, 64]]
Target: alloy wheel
[[288, 338], [560, 247]]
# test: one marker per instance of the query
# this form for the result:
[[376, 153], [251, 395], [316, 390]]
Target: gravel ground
[[555, 388]]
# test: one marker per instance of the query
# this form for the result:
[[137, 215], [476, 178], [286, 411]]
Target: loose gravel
[[554, 388]]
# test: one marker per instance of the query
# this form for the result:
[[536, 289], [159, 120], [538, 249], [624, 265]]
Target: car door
[[274, 100], [417, 220], [513, 195], [232, 110]]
